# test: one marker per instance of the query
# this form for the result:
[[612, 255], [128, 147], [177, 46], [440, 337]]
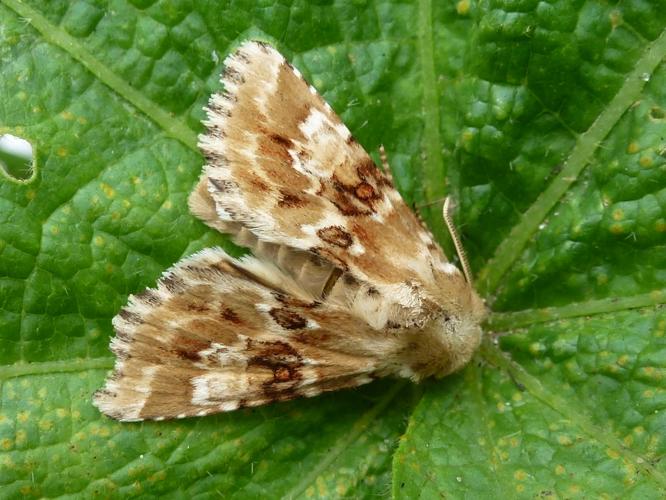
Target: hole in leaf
[[16, 158], [656, 113]]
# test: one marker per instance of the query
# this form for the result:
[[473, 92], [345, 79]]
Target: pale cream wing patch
[[282, 164], [219, 334]]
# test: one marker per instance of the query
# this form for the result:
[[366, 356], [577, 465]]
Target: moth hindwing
[[344, 285]]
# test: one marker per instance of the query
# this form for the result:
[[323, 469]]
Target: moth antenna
[[385, 164], [384, 158], [448, 219]]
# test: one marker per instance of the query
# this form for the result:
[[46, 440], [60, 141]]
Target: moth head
[[456, 329], [451, 337]]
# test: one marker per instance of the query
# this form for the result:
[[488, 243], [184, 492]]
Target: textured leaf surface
[[548, 122], [558, 153]]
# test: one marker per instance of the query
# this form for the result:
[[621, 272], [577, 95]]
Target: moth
[[344, 285]]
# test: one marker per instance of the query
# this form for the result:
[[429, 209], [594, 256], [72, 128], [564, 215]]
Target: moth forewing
[[345, 285]]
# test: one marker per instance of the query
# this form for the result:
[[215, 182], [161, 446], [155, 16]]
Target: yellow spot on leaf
[[630, 470], [108, 190], [99, 241], [468, 136], [574, 488], [639, 429], [616, 229], [61, 413], [559, 469], [612, 453], [168, 205], [633, 147], [30, 194], [23, 416], [462, 7], [62, 152], [536, 348], [310, 492], [6, 444], [520, 488], [618, 214], [341, 489], [321, 486], [623, 360], [158, 476], [520, 475], [615, 18], [646, 161], [653, 443], [21, 437], [517, 396], [501, 407], [46, 425], [67, 115], [660, 225], [628, 440], [648, 394], [564, 440], [55, 230]]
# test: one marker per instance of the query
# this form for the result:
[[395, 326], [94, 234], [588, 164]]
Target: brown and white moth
[[345, 284]]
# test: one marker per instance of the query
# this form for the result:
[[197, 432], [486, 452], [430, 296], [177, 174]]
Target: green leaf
[[547, 121], [558, 154]]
